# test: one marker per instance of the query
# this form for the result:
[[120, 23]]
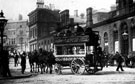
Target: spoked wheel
[[78, 66], [90, 71], [57, 68]]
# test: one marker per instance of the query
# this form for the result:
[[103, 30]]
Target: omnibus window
[[90, 49], [70, 50]]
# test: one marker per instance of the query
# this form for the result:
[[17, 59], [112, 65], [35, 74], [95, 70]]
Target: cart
[[78, 53]]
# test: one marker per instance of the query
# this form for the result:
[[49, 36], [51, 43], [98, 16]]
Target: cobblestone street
[[106, 76]]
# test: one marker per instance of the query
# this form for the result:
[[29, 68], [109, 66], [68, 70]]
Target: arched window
[[106, 42], [115, 36], [133, 33]]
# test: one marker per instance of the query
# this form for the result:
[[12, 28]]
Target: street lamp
[[3, 22]]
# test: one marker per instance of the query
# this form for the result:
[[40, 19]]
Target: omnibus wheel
[[77, 66]]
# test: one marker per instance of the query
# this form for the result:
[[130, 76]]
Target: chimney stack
[[40, 3], [76, 13], [89, 17], [20, 17]]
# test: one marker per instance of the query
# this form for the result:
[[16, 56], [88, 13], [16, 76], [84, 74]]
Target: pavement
[[16, 71]]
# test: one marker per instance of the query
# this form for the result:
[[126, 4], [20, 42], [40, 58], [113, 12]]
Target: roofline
[[120, 17]]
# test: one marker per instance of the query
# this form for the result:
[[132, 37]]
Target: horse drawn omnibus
[[79, 52]]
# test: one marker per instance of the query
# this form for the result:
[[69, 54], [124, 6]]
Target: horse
[[42, 59], [50, 61], [33, 59]]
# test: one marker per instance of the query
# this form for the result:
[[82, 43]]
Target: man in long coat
[[119, 60]]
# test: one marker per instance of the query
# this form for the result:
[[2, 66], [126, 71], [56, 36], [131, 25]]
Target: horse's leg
[[33, 67], [36, 67], [47, 68], [44, 67], [132, 63], [30, 67], [41, 67], [50, 66]]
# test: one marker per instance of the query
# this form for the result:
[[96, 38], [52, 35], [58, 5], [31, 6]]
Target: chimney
[[89, 17], [76, 13], [113, 7], [20, 17], [40, 3]]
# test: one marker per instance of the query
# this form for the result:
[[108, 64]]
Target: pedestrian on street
[[23, 62], [16, 59], [119, 60], [100, 56]]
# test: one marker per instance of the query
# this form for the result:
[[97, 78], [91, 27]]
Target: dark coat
[[23, 60], [119, 59]]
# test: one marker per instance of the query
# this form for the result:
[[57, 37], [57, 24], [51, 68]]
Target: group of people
[[102, 56], [23, 60], [4, 62], [118, 58], [16, 56]]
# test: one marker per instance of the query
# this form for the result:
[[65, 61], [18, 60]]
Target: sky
[[12, 8]]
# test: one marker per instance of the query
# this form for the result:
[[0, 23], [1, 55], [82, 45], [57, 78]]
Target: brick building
[[71, 20], [42, 21], [117, 32]]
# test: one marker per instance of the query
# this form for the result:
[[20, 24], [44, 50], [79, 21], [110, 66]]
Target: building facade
[[117, 33], [42, 22], [17, 35]]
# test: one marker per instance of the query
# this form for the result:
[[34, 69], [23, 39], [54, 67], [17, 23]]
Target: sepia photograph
[[67, 41]]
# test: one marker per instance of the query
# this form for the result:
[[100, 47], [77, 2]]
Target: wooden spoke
[[78, 66]]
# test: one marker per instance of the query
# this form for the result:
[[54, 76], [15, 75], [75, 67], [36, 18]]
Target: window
[[20, 26], [133, 41], [33, 33], [90, 49], [14, 33], [45, 42], [116, 46], [70, 50], [48, 41], [133, 38], [21, 40], [30, 34], [12, 40], [21, 32], [45, 47]]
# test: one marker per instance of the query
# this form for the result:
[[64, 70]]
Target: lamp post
[[3, 22], [125, 35]]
